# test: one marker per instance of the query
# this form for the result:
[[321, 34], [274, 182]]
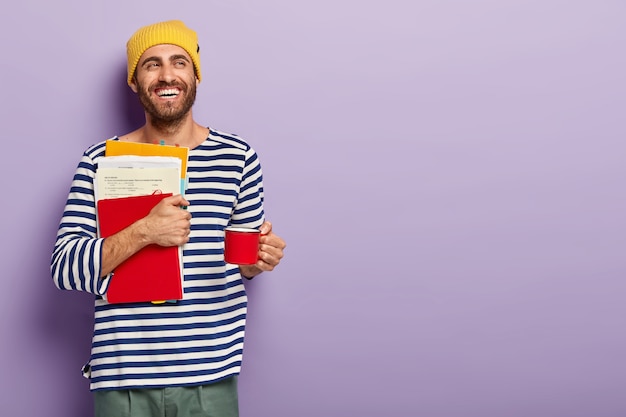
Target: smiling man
[[172, 359]]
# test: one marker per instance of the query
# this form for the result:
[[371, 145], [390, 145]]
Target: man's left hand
[[271, 247]]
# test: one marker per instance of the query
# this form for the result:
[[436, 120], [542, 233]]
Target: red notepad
[[153, 273]]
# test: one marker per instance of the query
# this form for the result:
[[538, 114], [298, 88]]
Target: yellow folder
[[118, 147]]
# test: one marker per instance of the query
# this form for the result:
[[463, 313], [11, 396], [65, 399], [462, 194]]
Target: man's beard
[[167, 116]]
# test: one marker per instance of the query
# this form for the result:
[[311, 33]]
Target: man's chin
[[168, 118], [167, 112]]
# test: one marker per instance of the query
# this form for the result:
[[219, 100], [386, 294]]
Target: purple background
[[449, 177]]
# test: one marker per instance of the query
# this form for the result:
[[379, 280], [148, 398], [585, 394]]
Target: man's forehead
[[164, 51]]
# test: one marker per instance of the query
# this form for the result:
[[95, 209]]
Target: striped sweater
[[196, 340]]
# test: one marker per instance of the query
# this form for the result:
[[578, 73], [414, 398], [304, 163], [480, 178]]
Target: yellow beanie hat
[[172, 32]]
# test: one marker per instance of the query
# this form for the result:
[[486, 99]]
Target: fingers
[[272, 240], [271, 251], [176, 200], [168, 224]]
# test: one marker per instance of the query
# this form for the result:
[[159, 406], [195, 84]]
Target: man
[[183, 358]]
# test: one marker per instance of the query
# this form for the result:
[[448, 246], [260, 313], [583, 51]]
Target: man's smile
[[167, 92]]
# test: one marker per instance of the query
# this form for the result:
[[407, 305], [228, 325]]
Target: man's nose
[[166, 73]]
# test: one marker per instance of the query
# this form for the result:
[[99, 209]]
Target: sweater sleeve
[[77, 255], [248, 211]]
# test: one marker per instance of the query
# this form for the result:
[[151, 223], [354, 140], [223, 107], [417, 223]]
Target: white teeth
[[169, 92]]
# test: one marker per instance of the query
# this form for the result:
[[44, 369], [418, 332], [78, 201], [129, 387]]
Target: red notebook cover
[[153, 273]]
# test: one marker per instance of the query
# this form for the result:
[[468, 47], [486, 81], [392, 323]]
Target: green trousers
[[213, 400]]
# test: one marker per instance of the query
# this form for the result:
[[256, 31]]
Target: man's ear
[[133, 84]]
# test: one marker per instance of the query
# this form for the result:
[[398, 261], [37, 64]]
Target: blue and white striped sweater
[[200, 338]]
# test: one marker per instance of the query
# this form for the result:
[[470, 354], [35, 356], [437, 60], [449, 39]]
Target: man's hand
[[167, 224], [271, 248]]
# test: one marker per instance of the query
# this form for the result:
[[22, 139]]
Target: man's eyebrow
[[180, 56], [151, 59]]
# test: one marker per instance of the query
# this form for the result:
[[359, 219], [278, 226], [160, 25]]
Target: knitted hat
[[172, 32]]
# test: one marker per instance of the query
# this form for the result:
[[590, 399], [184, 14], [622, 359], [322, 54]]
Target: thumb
[[266, 228]]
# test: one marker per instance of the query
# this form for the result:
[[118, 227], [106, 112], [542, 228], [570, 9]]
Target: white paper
[[125, 176]]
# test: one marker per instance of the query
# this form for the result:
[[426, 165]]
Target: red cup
[[241, 245]]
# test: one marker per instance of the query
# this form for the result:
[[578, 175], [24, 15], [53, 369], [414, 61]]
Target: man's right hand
[[167, 224]]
